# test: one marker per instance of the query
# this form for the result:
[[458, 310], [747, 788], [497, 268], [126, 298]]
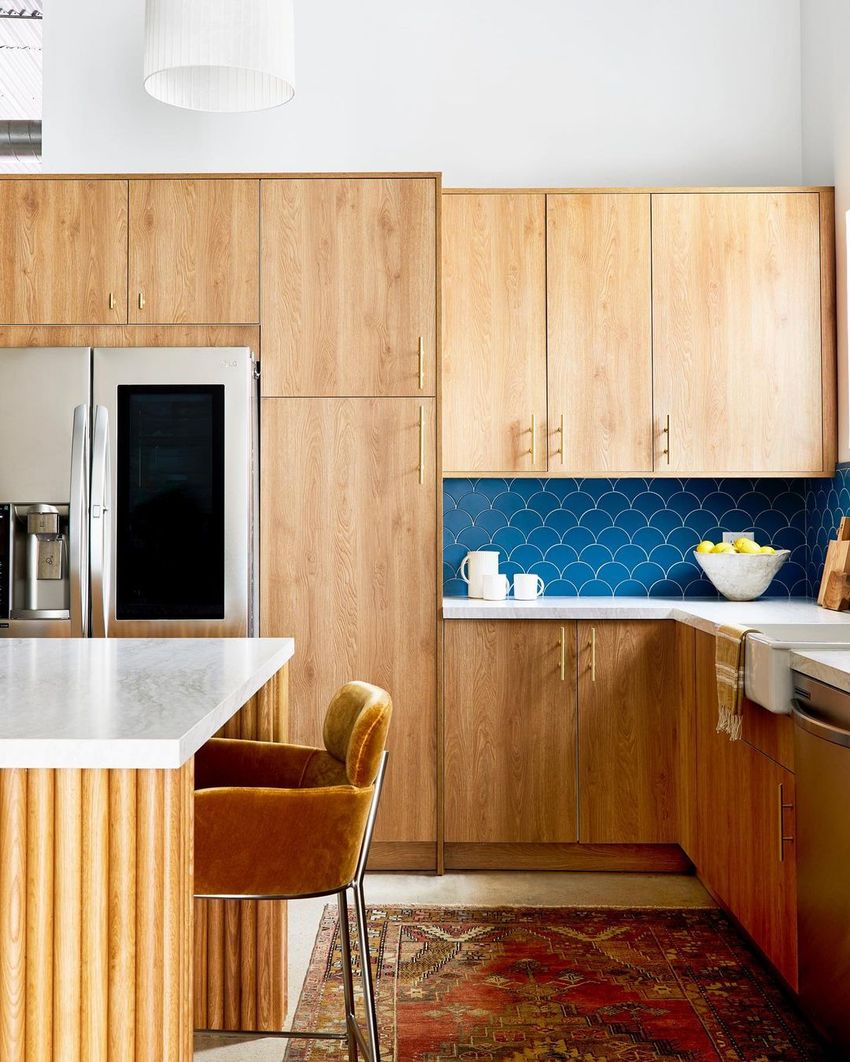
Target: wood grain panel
[[13, 914], [348, 286], [82, 934], [686, 751], [494, 332], [829, 384], [64, 251], [194, 250], [599, 315], [628, 717], [131, 336], [349, 569], [769, 733], [510, 732], [737, 332]]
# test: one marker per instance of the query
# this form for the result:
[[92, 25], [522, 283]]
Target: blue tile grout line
[[614, 537]]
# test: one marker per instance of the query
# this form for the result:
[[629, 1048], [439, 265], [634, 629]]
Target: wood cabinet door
[[745, 813], [628, 705], [494, 332], [194, 251], [510, 730], [599, 314], [736, 283], [64, 252], [348, 568], [349, 283]]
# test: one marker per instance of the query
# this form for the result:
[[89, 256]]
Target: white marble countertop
[[832, 667], [704, 615], [125, 702]]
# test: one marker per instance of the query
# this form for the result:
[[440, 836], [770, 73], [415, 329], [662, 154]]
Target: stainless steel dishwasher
[[822, 764]]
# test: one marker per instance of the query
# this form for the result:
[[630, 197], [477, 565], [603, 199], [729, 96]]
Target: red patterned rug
[[579, 984]]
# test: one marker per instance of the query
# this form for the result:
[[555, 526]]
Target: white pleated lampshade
[[220, 55]]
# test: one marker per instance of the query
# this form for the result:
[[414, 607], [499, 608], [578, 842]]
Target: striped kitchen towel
[[729, 669]]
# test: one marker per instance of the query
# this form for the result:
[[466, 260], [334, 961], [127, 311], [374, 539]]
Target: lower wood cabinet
[[510, 732], [629, 694], [348, 568], [745, 824]]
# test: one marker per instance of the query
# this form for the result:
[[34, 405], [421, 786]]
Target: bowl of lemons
[[741, 570]]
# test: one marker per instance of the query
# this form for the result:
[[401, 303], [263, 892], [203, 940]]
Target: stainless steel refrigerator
[[128, 492]]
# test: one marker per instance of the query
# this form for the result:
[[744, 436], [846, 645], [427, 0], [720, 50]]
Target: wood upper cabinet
[[599, 314], [194, 251], [510, 714], [746, 817], [494, 332], [738, 332], [64, 251], [349, 305], [629, 691], [348, 567]]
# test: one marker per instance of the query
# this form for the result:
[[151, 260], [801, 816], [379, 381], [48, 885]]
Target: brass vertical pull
[[666, 432], [421, 444], [141, 300], [421, 363], [561, 433], [593, 654], [563, 654], [112, 300], [782, 807], [533, 449]]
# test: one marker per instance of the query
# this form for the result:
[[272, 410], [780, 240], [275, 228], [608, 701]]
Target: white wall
[[825, 43], [491, 92]]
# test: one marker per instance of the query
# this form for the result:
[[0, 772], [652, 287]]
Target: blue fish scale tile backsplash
[[828, 500], [635, 537]]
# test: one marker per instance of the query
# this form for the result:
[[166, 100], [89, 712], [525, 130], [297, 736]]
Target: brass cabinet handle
[[781, 808], [533, 449], [666, 431], [141, 300], [111, 300], [560, 430], [421, 444], [421, 363], [593, 654], [563, 654]]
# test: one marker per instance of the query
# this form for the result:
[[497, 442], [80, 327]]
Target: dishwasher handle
[[812, 725]]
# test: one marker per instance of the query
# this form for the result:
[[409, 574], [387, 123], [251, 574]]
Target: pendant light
[[220, 55]]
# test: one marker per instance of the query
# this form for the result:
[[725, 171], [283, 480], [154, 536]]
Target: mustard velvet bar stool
[[287, 822]]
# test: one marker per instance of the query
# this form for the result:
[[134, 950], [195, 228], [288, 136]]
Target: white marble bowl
[[742, 576]]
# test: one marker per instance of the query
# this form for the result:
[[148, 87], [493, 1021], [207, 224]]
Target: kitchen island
[[97, 739]]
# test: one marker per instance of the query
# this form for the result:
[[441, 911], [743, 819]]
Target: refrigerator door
[[177, 533], [44, 481]]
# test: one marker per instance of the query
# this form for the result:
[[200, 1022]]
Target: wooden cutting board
[[835, 584]]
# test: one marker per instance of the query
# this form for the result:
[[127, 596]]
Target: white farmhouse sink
[[767, 672]]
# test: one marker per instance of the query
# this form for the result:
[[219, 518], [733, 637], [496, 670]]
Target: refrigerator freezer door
[[180, 434], [39, 389]]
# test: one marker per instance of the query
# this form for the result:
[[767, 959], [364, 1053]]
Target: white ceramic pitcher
[[476, 564]]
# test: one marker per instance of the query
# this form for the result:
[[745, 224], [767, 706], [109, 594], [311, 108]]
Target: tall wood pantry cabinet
[[350, 494]]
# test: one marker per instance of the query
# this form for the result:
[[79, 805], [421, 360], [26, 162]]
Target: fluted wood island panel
[[96, 919]]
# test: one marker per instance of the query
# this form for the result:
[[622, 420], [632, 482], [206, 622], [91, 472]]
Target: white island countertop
[[702, 614], [833, 667], [125, 702]]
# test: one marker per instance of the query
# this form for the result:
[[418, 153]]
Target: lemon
[[705, 546], [746, 545], [724, 547], [767, 549]]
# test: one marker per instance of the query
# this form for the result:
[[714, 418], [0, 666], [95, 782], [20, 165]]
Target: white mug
[[528, 587], [478, 563], [495, 587]]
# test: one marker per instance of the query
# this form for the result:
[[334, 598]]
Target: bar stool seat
[[277, 821]]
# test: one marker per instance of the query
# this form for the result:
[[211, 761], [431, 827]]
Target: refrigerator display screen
[[170, 560]]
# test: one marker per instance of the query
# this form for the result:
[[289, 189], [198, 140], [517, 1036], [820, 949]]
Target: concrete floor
[[482, 889]]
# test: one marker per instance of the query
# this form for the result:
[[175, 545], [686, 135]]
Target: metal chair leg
[[366, 970], [347, 979]]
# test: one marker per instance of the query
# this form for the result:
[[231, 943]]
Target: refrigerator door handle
[[78, 523], [100, 524]]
